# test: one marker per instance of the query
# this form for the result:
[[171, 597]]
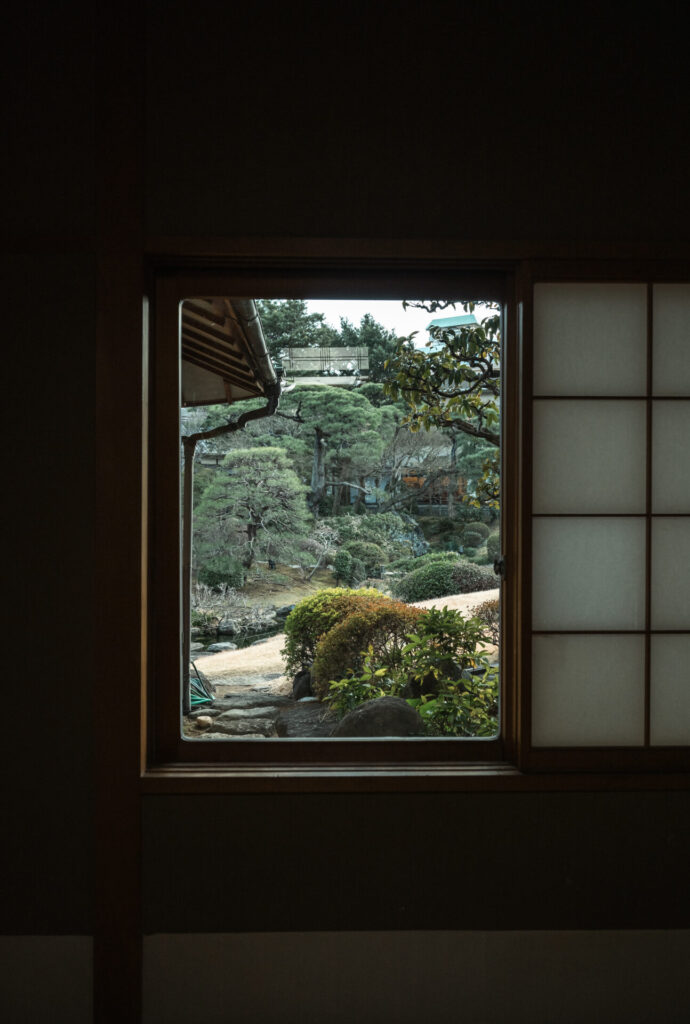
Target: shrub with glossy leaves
[[314, 616], [380, 627]]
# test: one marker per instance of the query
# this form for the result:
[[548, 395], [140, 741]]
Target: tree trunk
[[453, 477], [251, 538], [318, 472]]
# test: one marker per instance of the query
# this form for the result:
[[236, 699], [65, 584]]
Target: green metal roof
[[444, 322]]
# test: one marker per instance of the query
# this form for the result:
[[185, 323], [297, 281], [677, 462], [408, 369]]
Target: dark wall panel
[[48, 323], [48, 139], [466, 861], [450, 120]]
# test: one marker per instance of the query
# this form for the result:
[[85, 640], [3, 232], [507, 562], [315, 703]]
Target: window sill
[[389, 778]]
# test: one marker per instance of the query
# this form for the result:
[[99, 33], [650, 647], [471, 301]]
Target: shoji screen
[[611, 515]]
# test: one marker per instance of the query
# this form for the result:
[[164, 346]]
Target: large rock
[[301, 684], [237, 714], [282, 613], [245, 726], [216, 648], [384, 716], [228, 627], [306, 718]]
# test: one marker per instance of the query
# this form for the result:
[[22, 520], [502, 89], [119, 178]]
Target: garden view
[[345, 549]]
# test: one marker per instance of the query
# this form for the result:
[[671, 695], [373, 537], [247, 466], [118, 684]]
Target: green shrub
[[204, 621], [408, 564], [489, 614], [314, 616], [435, 579], [222, 571], [380, 624], [359, 571], [493, 546], [470, 552], [446, 526], [346, 694], [442, 671], [368, 552], [465, 707], [468, 578], [475, 527], [387, 529], [342, 567]]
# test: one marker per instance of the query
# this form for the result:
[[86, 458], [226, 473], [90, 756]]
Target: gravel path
[[232, 671]]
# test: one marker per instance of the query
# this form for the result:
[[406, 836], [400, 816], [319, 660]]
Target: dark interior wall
[[448, 122], [473, 128], [492, 121], [49, 286]]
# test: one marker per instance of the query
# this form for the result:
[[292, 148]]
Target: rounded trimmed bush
[[435, 579], [476, 527], [493, 546], [468, 578], [383, 625], [409, 564], [313, 616], [470, 552], [372, 555]]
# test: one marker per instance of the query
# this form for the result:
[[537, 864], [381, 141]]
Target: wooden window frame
[[172, 764]]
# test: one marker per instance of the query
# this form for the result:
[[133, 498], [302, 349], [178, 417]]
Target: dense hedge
[[409, 564], [387, 529], [443, 577], [469, 578], [314, 616], [435, 579], [493, 546], [371, 554], [223, 572], [382, 625], [476, 527]]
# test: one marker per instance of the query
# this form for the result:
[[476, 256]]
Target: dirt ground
[[232, 670]]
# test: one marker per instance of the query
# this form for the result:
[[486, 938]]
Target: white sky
[[390, 313]]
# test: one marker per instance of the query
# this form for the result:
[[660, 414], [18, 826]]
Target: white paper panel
[[587, 691], [671, 457], [589, 456], [671, 574], [588, 573], [670, 690], [590, 339], [671, 373]]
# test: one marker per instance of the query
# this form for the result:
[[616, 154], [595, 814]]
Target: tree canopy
[[287, 324], [453, 384], [256, 505]]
